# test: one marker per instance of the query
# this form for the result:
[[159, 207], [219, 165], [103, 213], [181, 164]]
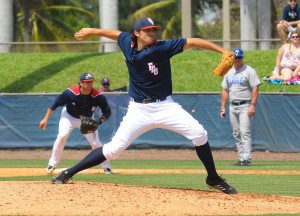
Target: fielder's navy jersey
[[150, 68], [78, 104]]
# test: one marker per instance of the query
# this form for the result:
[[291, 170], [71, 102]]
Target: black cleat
[[62, 178], [108, 171], [50, 169], [246, 163], [221, 185], [242, 163]]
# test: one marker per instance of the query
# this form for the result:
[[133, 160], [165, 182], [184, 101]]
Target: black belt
[[147, 100], [239, 103]]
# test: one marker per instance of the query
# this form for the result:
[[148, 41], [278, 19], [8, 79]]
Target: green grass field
[[285, 185], [192, 72], [54, 72]]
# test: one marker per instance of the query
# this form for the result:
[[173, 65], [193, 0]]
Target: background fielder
[[241, 86], [79, 100]]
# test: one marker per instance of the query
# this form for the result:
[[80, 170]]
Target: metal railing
[[98, 46]]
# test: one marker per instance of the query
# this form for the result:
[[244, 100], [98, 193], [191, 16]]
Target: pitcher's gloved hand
[[225, 64]]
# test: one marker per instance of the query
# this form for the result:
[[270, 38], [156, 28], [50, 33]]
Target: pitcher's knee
[[200, 140], [113, 149]]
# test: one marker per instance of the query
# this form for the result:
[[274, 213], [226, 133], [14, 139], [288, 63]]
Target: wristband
[[101, 120]]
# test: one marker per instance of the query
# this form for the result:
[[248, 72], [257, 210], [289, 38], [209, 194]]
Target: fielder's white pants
[[66, 125], [141, 118]]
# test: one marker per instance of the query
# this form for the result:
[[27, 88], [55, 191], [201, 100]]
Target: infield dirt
[[86, 198]]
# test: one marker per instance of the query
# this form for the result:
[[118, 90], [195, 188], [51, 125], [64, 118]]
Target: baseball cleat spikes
[[242, 163], [108, 171], [62, 178], [221, 185], [50, 169]]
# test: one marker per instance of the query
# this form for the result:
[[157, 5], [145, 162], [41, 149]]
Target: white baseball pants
[[141, 118], [66, 125]]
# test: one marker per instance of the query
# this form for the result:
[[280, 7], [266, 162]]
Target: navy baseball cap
[[104, 81], [238, 52], [145, 23], [86, 77]]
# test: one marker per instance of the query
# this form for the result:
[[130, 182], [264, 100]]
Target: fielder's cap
[[145, 23], [86, 77], [104, 81], [238, 52]]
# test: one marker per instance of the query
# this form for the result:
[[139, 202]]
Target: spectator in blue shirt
[[290, 20]]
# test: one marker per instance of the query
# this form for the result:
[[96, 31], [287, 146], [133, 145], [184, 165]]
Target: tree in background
[[57, 20], [168, 15], [126, 8], [51, 20], [213, 28]]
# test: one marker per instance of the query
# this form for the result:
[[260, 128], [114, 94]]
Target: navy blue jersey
[[291, 15], [78, 104], [150, 68]]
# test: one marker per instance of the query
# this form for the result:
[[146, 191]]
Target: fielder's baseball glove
[[88, 125], [225, 64]]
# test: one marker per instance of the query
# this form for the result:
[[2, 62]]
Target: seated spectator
[[105, 84], [288, 59], [290, 20], [296, 73]]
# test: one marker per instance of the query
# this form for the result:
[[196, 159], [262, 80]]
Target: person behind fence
[[105, 84], [288, 59], [290, 20], [79, 100], [151, 105], [240, 86]]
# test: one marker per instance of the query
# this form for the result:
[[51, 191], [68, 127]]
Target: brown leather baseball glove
[[225, 64], [88, 125]]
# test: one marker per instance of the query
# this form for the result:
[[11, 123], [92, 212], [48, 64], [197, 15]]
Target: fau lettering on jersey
[[152, 68]]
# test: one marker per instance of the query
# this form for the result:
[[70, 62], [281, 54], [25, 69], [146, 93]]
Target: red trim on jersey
[[148, 47], [95, 92], [76, 91]]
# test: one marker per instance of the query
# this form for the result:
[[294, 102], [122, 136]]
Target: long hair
[[290, 37], [133, 38]]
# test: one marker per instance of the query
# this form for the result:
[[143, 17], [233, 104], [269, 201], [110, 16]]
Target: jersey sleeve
[[298, 11], [224, 83], [175, 46], [285, 13], [104, 106], [253, 78], [61, 100], [124, 40]]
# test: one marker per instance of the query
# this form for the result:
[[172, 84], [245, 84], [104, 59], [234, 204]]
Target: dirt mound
[[84, 198], [81, 198]]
